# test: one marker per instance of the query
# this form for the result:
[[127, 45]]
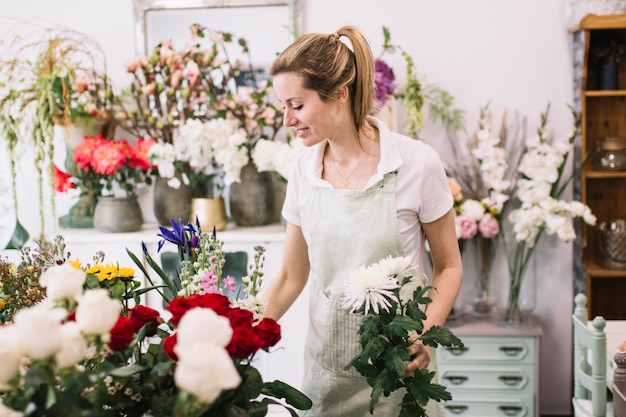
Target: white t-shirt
[[422, 193]]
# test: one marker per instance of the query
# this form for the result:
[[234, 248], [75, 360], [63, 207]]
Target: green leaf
[[252, 384], [127, 370], [92, 281], [414, 311], [370, 328], [396, 359], [421, 387], [375, 347], [401, 325], [439, 335], [19, 238], [292, 396]]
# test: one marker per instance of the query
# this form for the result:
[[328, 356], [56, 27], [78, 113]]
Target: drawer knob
[[510, 380], [456, 379], [511, 350], [510, 410], [457, 350], [456, 409]]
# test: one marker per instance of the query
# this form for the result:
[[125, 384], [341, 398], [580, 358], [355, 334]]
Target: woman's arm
[[292, 277], [447, 277]]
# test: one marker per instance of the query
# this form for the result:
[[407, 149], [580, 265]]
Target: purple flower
[[384, 78]]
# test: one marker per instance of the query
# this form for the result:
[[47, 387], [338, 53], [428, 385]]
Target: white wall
[[515, 53]]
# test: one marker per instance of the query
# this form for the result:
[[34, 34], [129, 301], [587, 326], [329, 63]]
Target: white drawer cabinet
[[496, 373]]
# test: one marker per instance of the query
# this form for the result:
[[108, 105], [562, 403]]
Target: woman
[[359, 193]]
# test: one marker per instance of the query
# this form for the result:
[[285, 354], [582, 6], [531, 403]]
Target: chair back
[[589, 358]]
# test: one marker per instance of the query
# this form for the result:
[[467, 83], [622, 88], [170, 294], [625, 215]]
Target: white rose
[[10, 356], [9, 412], [39, 330], [62, 282], [204, 370], [73, 346], [472, 209], [203, 325], [97, 312]]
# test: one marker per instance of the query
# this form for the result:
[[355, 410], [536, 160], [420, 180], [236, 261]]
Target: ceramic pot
[[252, 199], [210, 212], [118, 214], [171, 203]]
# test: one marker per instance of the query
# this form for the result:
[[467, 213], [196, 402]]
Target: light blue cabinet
[[496, 373]]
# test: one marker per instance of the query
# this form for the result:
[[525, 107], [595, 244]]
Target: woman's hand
[[420, 355]]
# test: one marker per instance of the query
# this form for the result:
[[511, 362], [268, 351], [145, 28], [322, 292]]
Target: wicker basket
[[612, 244], [582, 8]]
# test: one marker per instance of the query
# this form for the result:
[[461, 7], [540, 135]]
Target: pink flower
[[216, 37], [466, 227], [133, 64], [455, 188], [488, 226], [81, 83], [148, 89], [191, 72]]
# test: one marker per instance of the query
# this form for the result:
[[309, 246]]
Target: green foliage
[[384, 339]]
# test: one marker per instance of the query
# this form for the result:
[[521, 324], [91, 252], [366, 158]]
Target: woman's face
[[314, 120]]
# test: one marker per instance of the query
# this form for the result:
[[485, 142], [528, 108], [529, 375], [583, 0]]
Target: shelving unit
[[603, 114]]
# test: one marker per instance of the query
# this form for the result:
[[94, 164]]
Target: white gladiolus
[[204, 325], [97, 312], [10, 355], [38, 330], [73, 346], [204, 370], [62, 282]]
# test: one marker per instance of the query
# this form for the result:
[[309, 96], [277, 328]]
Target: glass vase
[[521, 299], [482, 298]]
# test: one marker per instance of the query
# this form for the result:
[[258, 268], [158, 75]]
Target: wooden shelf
[[605, 93], [602, 175], [594, 270]]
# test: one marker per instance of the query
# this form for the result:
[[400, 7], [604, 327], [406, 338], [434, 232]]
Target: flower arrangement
[[106, 167], [49, 76], [539, 187], [416, 92], [276, 156], [206, 155], [91, 348], [392, 299], [170, 87]]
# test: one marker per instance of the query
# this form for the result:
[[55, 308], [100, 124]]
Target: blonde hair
[[327, 65]]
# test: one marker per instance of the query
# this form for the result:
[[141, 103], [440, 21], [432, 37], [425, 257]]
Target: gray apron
[[344, 229]]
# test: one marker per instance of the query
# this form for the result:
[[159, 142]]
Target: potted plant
[[108, 173], [50, 76]]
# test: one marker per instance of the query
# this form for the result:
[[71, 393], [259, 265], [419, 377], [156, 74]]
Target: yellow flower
[[75, 264], [1, 304], [126, 273], [108, 272]]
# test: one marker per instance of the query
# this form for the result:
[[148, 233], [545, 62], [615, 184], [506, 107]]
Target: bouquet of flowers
[[206, 155], [392, 300], [101, 165], [91, 348], [276, 156]]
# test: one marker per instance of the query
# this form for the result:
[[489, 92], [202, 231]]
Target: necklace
[[346, 177]]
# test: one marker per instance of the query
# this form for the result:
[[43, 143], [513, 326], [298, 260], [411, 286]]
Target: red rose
[[142, 315], [121, 334], [244, 343], [168, 346], [268, 331], [240, 317], [179, 306]]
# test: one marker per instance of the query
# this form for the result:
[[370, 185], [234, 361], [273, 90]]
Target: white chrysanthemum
[[399, 266], [370, 288]]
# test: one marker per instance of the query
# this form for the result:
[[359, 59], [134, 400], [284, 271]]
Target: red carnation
[[121, 334], [268, 331], [142, 315]]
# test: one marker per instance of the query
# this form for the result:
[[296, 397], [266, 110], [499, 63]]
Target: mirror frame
[[142, 7]]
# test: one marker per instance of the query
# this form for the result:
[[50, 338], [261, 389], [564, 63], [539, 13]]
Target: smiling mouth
[[300, 131]]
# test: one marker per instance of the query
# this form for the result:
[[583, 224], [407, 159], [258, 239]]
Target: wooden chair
[[618, 385], [590, 360]]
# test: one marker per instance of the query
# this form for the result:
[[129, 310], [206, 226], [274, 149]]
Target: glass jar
[[610, 155]]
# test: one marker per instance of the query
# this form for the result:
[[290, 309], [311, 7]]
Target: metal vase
[[118, 214]]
